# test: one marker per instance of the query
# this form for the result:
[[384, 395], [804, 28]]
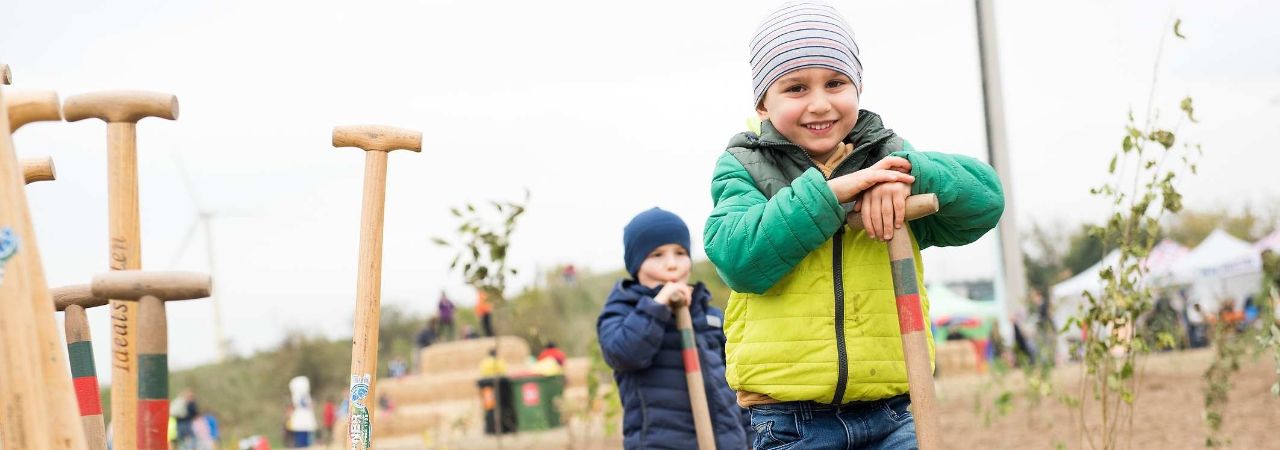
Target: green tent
[[952, 313], [945, 303]]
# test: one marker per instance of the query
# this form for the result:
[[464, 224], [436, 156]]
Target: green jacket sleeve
[[754, 241], [970, 198]]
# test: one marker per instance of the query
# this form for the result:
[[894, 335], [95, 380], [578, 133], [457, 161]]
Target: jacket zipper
[[837, 274]]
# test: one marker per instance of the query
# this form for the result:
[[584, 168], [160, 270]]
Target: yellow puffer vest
[[785, 343]]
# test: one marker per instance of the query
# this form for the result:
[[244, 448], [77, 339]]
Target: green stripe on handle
[[689, 351], [904, 277], [153, 376], [686, 338], [81, 356]]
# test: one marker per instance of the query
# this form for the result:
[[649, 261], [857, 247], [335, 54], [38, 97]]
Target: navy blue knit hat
[[649, 230]]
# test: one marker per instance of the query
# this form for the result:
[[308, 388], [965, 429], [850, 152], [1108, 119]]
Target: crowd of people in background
[[1232, 315], [443, 327]]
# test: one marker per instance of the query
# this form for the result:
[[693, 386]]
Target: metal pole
[[1012, 276]]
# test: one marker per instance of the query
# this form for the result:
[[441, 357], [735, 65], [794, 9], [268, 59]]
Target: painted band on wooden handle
[[38, 169], [153, 375], [28, 106], [693, 377], [917, 206], [5, 77], [84, 376]]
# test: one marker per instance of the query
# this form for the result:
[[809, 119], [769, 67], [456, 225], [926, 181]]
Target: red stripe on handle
[[909, 316], [153, 424], [691, 360], [87, 396]]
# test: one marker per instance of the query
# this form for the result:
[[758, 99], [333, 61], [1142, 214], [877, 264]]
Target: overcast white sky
[[601, 109]]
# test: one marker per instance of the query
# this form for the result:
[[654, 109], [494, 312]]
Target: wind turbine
[[203, 220]]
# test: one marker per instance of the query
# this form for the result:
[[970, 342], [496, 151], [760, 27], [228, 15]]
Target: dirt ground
[[1169, 405], [1169, 413]]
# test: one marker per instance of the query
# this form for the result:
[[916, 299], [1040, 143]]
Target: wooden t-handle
[[121, 106], [377, 137], [28, 106], [38, 169], [135, 284], [917, 206], [75, 295]]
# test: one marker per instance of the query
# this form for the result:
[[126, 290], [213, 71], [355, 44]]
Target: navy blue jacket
[[639, 340]]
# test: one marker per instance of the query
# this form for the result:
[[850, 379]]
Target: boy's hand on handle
[[883, 209], [673, 295], [888, 170], [894, 163]]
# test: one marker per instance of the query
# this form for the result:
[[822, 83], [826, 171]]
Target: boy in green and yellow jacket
[[813, 344]]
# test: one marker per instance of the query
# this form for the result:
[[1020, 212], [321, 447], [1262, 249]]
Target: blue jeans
[[881, 424]]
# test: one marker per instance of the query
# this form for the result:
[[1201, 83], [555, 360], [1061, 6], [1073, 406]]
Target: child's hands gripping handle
[[888, 170], [915, 207], [674, 295]]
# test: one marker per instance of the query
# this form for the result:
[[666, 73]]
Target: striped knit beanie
[[799, 35]]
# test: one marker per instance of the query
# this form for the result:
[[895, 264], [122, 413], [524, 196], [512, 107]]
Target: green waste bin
[[535, 401]]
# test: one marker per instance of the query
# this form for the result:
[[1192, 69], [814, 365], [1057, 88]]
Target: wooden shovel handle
[[913, 326], [693, 376]]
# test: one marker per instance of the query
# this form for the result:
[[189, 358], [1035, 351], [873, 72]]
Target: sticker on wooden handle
[[359, 429], [8, 248]]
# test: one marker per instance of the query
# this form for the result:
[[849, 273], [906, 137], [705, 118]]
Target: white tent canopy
[[1222, 268], [1220, 255], [1161, 259]]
